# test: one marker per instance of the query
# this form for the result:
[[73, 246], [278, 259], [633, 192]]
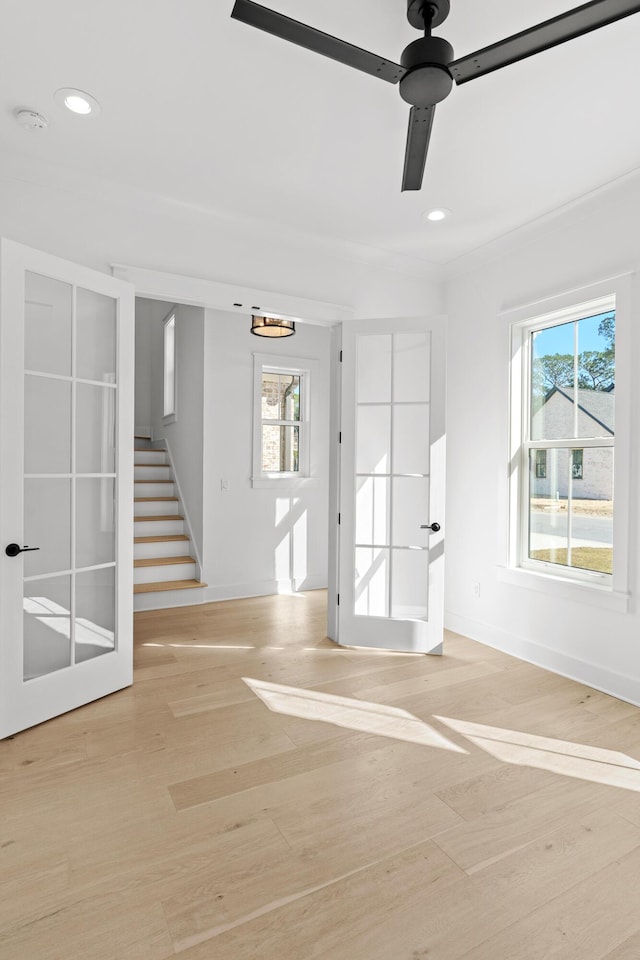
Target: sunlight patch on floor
[[360, 715], [577, 760], [209, 646]]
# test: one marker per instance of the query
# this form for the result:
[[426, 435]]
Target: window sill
[[594, 594], [280, 483]]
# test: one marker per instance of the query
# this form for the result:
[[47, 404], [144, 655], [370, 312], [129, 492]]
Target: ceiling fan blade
[[304, 36], [415, 158], [550, 33]]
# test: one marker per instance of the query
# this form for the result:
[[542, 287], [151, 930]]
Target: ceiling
[[204, 111]]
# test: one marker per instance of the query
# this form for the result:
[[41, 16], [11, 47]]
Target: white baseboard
[[234, 591], [263, 588], [591, 674], [166, 600]]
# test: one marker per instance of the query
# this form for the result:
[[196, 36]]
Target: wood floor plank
[[261, 793], [261, 773], [421, 685], [424, 919], [327, 919], [588, 920], [489, 835], [629, 950]]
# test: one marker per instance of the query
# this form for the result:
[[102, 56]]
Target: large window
[[567, 429], [281, 418]]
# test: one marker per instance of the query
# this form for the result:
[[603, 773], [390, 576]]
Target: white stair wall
[[151, 472], [156, 507], [147, 488], [161, 548], [165, 564]]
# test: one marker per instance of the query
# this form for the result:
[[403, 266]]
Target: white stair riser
[[152, 473], [150, 456], [157, 528], [168, 571], [162, 548], [154, 490], [156, 508]]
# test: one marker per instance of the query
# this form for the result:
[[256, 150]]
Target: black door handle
[[13, 549], [434, 527]]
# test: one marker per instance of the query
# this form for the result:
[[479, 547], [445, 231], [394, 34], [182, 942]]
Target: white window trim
[[299, 366], [172, 415], [608, 591]]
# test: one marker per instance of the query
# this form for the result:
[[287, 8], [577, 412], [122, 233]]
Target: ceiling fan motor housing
[[419, 12], [428, 79]]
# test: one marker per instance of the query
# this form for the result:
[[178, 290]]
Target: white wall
[[97, 223], [184, 437], [594, 241], [256, 541]]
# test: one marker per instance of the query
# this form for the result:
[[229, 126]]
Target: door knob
[[13, 549], [434, 527]]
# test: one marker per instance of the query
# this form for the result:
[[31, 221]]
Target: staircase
[[162, 550]]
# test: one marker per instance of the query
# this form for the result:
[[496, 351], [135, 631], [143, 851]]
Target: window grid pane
[[280, 397], [568, 487], [280, 448]]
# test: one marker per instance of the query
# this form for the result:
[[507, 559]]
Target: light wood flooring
[[343, 805]]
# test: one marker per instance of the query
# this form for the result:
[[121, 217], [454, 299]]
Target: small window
[[281, 419], [576, 464], [169, 409], [280, 409]]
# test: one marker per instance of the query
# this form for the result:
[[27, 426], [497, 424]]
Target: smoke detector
[[30, 120]]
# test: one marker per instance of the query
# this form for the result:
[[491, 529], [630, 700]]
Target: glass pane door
[[70, 387], [389, 595], [66, 480], [392, 475]]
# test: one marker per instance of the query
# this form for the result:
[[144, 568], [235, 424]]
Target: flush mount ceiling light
[[437, 215], [272, 327], [77, 101]]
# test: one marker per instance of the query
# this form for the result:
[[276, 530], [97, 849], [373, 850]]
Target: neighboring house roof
[[597, 404]]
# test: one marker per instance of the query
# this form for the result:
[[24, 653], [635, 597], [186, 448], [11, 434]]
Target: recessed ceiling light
[[77, 101], [437, 214]]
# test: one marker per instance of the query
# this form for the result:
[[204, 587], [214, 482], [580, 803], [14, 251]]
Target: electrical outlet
[[475, 588], [224, 485]]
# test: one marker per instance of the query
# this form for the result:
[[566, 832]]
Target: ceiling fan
[[427, 69]]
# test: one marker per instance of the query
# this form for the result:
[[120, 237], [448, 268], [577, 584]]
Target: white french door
[[392, 463], [66, 480]]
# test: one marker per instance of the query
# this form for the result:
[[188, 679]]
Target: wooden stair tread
[[165, 539], [162, 561], [152, 499], [153, 466], [167, 585], [139, 436], [161, 517], [152, 481], [149, 450]]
